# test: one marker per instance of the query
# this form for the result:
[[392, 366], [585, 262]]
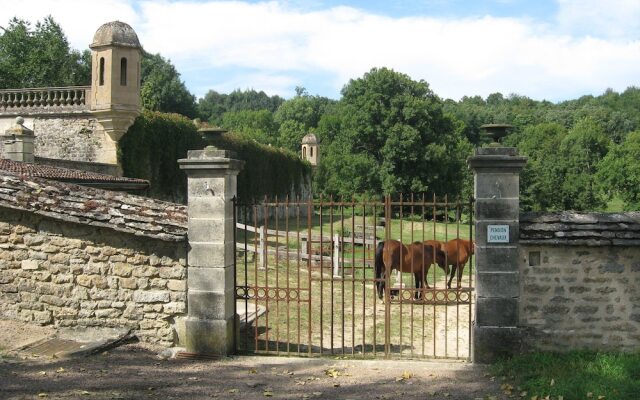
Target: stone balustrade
[[25, 101]]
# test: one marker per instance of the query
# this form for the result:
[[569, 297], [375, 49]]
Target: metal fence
[[306, 278]]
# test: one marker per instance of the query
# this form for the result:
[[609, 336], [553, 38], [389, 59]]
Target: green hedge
[[269, 171], [155, 141], [150, 148]]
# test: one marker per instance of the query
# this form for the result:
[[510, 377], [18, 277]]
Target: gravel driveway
[[133, 371]]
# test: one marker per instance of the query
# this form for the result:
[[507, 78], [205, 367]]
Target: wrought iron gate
[[306, 282]]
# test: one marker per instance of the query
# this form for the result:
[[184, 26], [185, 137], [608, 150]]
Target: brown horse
[[458, 252], [415, 258]]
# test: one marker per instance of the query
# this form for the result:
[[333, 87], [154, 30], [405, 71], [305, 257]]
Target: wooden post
[[336, 256]]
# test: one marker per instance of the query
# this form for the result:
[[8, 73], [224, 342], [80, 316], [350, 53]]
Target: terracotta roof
[[70, 175], [122, 212]]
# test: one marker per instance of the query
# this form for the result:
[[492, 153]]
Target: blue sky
[[545, 49]]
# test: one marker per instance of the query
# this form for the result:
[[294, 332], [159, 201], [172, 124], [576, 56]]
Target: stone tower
[[311, 149], [115, 80]]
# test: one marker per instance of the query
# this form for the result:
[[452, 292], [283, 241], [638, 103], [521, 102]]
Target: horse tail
[[379, 265]]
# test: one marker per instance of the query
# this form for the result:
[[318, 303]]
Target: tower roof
[[115, 33], [309, 138]]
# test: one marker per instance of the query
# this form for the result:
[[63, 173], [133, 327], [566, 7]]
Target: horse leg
[[460, 270], [453, 273], [419, 285]]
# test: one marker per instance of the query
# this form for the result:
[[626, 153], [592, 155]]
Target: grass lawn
[[574, 375]]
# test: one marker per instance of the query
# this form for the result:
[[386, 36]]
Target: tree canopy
[[391, 136], [162, 89], [40, 56]]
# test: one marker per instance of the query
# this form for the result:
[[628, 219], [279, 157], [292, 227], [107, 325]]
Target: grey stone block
[[491, 343], [209, 337], [210, 279], [209, 207], [498, 284], [216, 255], [495, 311], [497, 209], [211, 305], [497, 185], [498, 258], [210, 230]]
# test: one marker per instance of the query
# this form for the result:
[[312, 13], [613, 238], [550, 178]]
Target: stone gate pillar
[[212, 183], [496, 189]]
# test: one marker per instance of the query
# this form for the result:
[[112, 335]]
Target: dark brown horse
[[415, 258], [458, 252]]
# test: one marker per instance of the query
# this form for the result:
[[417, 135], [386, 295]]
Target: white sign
[[498, 234]]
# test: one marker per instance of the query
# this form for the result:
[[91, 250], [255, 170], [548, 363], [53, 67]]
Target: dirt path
[[134, 372]]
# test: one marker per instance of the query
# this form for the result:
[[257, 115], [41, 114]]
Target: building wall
[[69, 274], [580, 281], [72, 137]]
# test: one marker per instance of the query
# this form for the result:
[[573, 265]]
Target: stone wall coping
[[564, 228], [136, 215]]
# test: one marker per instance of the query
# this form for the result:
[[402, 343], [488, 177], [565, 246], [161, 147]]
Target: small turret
[[311, 149]]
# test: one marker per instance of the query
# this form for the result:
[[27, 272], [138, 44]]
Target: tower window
[[101, 72], [311, 151], [123, 71], [304, 152]]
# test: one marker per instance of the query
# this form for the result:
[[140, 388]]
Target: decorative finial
[[496, 132], [19, 121]]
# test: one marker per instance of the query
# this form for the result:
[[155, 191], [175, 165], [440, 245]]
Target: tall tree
[[40, 56], [162, 89], [298, 116], [256, 125], [213, 105], [620, 171], [393, 137]]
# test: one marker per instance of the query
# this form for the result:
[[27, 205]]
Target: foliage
[[581, 151], [40, 57], [298, 116], [574, 375], [391, 135], [269, 171], [256, 125], [620, 171], [151, 147], [162, 90], [213, 105]]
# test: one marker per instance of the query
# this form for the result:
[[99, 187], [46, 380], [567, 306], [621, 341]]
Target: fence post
[[212, 175], [336, 256], [262, 249], [496, 190]]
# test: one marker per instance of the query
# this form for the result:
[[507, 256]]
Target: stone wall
[[78, 256], [72, 137], [580, 281]]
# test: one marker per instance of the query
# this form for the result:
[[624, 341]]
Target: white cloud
[[279, 45], [618, 19]]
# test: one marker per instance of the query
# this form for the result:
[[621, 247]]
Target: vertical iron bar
[[246, 277], [266, 269], [375, 300], [414, 275], [342, 280], [435, 292], [435, 266], [353, 280], [309, 283], [255, 269], [321, 282], [459, 284], [298, 287], [277, 287], [402, 256], [286, 249], [235, 278], [471, 284], [364, 273], [446, 288], [332, 261], [387, 290]]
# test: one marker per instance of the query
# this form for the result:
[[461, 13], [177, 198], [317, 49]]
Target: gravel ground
[[134, 371]]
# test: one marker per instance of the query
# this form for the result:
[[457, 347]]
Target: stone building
[[80, 126], [311, 149]]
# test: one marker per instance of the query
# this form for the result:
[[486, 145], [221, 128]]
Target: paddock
[[309, 269]]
